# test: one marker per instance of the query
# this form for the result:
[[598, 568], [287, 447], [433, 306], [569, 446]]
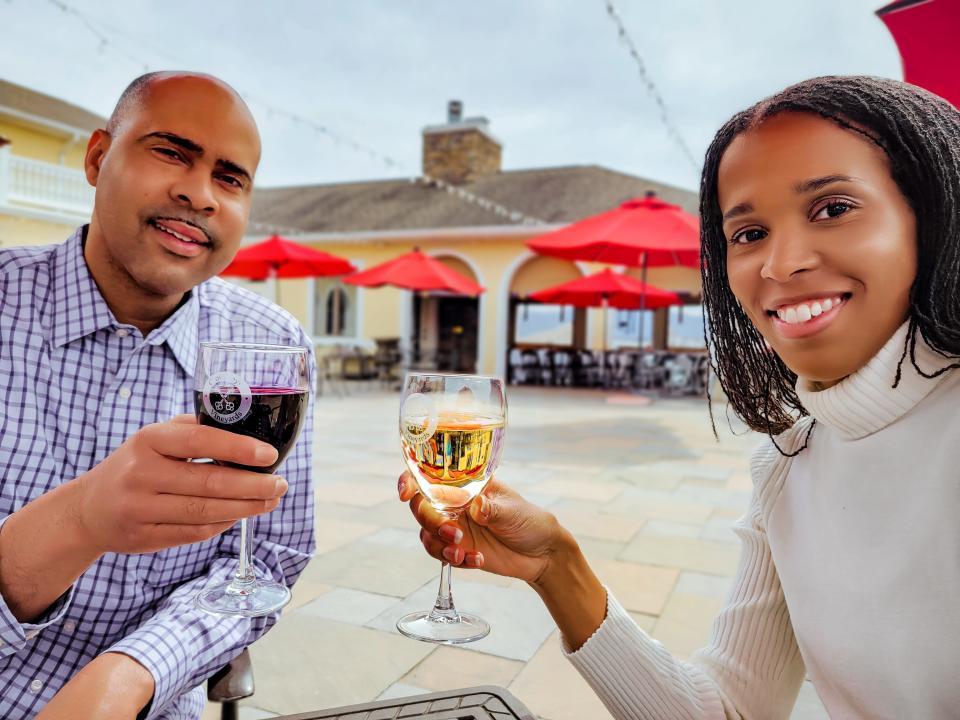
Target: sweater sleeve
[[751, 667]]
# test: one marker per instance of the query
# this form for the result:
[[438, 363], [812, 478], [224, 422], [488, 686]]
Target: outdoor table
[[477, 703]]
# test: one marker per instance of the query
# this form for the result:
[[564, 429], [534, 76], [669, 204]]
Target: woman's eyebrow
[[821, 182], [737, 211]]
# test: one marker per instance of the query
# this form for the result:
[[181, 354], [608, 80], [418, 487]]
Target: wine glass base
[[420, 626], [263, 598]]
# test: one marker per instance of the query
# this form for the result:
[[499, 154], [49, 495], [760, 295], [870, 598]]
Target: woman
[[830, 230]]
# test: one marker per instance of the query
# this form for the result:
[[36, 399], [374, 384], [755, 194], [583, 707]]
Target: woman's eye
[[747, 236], [832, 209]]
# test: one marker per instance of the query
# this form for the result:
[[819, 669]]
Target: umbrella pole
[[603, 354], [643, 308]]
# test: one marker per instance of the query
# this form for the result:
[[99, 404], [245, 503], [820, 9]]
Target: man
[[106, 532]]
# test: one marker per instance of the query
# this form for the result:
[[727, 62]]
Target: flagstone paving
[[647, 490]]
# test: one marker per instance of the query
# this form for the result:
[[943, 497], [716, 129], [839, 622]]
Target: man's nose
[[195, 189]]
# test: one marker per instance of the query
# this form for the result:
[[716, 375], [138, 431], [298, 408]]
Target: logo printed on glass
[[419, 418], [227, 397]]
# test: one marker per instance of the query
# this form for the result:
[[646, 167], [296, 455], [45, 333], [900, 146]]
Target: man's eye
[[744, 237], [168, 152], [231, 181]]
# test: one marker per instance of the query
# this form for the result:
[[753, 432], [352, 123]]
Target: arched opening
[[532, 325], [446, 326], [674, 328]]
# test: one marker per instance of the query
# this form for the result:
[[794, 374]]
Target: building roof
[[36, 107], [554, 195]]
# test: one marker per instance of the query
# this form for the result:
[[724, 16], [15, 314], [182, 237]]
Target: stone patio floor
[[646, 489]]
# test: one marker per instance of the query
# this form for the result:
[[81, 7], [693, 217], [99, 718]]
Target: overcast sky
[[557, 85]]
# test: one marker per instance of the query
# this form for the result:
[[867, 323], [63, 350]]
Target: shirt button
[[36, 686], [124, 392], [69, 626], [122, 332], [31, 635]]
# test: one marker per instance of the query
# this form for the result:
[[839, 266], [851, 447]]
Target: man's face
[[822, 244], [173, 185]]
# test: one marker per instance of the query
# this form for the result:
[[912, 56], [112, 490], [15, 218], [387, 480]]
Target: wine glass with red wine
[[261, 391]]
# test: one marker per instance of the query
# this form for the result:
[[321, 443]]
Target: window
[[334, 309], [543, 324], [685, 328], [623, 328], [336, 315]]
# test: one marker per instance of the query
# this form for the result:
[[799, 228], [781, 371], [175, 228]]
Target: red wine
[[273, 415]]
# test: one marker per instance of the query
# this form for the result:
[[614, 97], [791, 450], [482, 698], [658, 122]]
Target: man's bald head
[[132, 98]]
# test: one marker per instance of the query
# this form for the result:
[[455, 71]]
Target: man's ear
[[96, 150]]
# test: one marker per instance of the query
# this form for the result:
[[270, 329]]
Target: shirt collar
[[78, 309], [866, 401]]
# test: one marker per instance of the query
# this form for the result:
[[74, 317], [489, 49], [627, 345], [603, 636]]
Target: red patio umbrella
[[610, 288], [643, 231], [416, 271], [278, 257], [926, 33]]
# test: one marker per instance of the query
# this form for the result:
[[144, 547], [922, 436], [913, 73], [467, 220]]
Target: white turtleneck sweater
[[850, 569]]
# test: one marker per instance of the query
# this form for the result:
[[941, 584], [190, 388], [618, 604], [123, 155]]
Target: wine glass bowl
[[260, 391], [451, 432]]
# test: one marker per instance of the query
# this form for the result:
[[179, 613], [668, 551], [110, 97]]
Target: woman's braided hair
[[920, 134]]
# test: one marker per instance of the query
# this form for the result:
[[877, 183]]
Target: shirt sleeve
[[182, 646], [15, 634], [751, 667]]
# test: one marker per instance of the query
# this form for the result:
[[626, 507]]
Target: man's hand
[[144, 497], [141, 498], [110, 687]]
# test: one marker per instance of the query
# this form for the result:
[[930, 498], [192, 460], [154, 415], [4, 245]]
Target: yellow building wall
[[15, 231], [38, 145]]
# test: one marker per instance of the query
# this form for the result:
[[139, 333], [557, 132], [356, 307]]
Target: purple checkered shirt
[[75, 384]]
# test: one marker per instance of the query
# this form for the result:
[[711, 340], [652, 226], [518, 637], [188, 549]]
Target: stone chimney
[[462, 150]]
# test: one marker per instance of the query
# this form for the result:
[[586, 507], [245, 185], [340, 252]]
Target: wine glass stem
[[443, 609], [244, 580]]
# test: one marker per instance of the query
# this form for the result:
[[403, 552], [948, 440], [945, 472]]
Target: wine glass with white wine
[[451, 430]]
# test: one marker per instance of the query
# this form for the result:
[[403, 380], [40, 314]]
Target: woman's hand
[[499, 532], [504, 534]]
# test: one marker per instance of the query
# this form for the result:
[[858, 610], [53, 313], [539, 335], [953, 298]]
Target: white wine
[[452, 456]]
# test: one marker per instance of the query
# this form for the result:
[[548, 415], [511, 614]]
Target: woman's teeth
[[804, 312]]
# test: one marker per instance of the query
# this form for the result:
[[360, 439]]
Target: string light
[[337, 138], [651, 87]]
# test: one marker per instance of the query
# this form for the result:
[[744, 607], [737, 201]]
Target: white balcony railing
[[36, 185]]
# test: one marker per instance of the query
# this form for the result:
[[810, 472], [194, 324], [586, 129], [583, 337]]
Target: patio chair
[[648, 371], [585, 369], [231, 684], [621, 369], [562, 368], [516, 372], [680, 374], [544, 367]]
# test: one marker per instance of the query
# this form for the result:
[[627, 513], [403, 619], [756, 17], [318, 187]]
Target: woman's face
[[821, 247]]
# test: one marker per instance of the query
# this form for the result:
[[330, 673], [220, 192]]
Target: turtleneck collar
[[865, 402]]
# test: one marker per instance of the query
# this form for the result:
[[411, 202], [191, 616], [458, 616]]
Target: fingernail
[[265, 454], [484, 506], [280, 486], [401, 485], [453, 554], [451, 534], [475, 560]]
